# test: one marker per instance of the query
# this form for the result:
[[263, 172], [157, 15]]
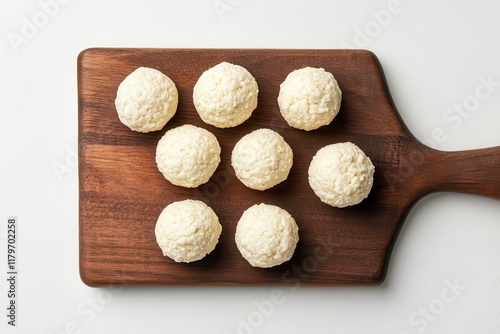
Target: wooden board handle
[[473, 171]]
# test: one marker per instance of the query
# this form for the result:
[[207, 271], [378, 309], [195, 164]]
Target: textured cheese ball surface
[[266, 235], [309, 98], [341, 174], [146, 100], [188, 155], [262, 159], [187, 231], [225, 95]]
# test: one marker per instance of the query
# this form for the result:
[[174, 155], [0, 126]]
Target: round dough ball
[[188, 155], [341, 174], [309, 98], [262, 159], [266, 235], [146, 100], [225, 95], [187, 231]]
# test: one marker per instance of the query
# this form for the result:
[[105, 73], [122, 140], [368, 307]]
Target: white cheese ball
[[341, 174], [225, 95], [146, 100], [188, 155], [309, 98], [262, 159], [266, 235], [187, 231]]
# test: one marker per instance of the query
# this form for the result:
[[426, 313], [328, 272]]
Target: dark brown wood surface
[[122, 192]]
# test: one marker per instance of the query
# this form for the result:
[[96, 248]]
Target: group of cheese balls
[[225, 96]]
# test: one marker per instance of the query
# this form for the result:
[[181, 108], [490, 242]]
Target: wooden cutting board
[[122, 192]]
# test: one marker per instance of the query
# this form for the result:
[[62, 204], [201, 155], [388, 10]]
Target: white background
[[434, 54]]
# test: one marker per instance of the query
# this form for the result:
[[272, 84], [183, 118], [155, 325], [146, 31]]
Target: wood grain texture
[[122, 192]]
